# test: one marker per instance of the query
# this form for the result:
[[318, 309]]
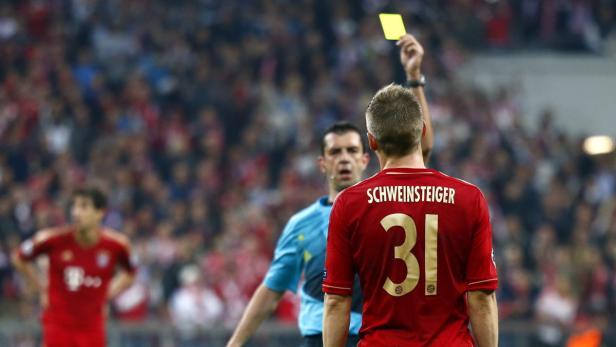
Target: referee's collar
[[324, 201]]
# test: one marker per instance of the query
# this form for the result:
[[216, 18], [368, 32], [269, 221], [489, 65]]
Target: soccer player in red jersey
[[420, 241], [82, 276]]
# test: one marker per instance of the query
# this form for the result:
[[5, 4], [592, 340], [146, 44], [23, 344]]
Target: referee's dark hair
[[340, 128], [98, 198]]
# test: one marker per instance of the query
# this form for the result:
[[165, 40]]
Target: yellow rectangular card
[[392, 24]]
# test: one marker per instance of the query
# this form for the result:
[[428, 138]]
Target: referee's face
[[343, 160]]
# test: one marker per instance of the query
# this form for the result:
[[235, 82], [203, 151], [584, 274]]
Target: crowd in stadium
[[203, 125]]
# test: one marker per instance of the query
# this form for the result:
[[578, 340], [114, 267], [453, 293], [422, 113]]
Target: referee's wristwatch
[[421, 82]]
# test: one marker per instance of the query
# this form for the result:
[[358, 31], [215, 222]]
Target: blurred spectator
[[194, 306], [132, 304], [498, 25], [555, 310]]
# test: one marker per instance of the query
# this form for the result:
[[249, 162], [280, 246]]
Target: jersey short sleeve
[[126, 259], [481, 269], [339, 273], [286, 268], [37, 245]]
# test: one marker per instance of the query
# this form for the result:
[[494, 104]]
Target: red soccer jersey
[[78, 277], [419, 240]]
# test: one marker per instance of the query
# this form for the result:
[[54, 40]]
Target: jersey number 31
[[403, 252]]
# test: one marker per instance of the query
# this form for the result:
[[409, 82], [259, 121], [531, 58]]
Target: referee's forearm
[[336, 319], [261, 306]]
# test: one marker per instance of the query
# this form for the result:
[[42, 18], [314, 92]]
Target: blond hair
[[394, 118]]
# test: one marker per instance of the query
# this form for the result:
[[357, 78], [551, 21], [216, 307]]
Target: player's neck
[[87, 237], [411, 161]]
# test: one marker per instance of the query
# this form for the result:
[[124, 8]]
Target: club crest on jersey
[[66, 255], [27, 247], [102, 259]]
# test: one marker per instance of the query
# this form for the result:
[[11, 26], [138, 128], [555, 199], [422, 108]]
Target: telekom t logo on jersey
[[75, 277]]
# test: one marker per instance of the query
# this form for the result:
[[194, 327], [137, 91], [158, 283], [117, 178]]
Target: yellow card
[[392, 24]]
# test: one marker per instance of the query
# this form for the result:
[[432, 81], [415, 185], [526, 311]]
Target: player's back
[[419, 240]]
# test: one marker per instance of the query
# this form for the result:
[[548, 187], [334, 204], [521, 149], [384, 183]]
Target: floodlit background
[[202, 119]]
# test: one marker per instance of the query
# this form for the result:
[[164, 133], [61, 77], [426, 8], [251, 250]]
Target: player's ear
[[372, 142], [100, 213], [423, 130], [365, 160], [321, 162]]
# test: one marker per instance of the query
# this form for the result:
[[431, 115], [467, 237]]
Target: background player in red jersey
[[82, 276], [419, 240]]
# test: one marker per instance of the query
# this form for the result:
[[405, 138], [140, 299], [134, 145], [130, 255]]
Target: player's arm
[[483, 314], [336, 320], [29, 272], [23, 257], [482, 279], [120, 282], [28, 251], [338, 279], [128, 269], [284, 274], [411, 56], [261, 305]]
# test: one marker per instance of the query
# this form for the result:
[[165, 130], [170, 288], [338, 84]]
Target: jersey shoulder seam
[[362, 183], [459, 180], [116, 236], [50, 233]]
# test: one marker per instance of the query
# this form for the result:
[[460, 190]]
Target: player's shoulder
[[116, 237], [49, 234], [461, 183], [359, 186]]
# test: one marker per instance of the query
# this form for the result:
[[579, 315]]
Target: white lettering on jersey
[[75, 278], [443, 195]]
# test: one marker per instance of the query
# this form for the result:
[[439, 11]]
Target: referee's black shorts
[[317, 341]]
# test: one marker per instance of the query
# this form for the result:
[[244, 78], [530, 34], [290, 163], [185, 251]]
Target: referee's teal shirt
[[301, 249]]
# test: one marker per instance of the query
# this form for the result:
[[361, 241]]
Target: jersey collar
[[406, 170], [324, 201]]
